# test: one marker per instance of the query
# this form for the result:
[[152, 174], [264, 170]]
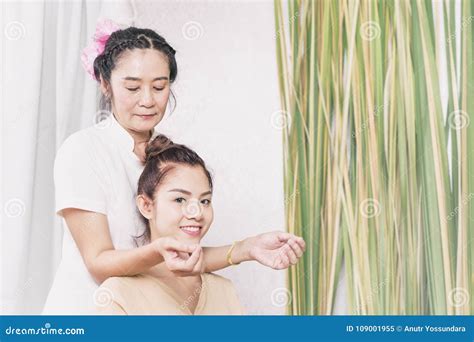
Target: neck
[[139, 137]]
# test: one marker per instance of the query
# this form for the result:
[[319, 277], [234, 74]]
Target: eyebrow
[[130, 78], [188, 193]]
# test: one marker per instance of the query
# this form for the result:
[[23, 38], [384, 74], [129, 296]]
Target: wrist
[[157, 249], [242, 251]]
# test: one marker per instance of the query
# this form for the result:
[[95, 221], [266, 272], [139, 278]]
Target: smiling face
[[182, 205], [140, 89]]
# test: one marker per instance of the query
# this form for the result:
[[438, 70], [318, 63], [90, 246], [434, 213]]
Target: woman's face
[[182, 207], [140, 89]]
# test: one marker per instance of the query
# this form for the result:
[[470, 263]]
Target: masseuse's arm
[[277, 250], [90, 231]]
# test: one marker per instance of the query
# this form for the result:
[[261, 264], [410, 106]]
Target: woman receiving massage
[[175, 199]]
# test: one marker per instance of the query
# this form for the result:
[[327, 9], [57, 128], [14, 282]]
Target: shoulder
[[83, 149], [120, 290], [81, 140], [113, 296], [127, 284]]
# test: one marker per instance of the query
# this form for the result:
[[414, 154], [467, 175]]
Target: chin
[[183, 237], [146, 125]]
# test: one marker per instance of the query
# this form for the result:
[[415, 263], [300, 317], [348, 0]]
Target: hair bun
[[157, 146]]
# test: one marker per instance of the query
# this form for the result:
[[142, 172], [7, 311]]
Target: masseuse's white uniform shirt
[[96, 170]]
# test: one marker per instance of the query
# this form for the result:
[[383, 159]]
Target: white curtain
[[45, 97]]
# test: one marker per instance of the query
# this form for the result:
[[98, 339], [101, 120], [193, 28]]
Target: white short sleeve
[[77, 178]]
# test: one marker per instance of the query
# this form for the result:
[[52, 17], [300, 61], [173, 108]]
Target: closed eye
[[135, 89]]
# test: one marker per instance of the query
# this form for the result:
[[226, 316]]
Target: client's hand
[[180, 258], [278, 250]]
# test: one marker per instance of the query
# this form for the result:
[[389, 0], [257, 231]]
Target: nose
[[146, 99]]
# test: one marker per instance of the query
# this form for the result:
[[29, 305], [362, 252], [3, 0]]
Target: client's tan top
[[148, 295]]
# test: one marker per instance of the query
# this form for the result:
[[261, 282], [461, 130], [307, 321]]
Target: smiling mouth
[[191, 230], [146, 116]]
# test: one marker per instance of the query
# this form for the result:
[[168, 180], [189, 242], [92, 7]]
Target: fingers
[[290, 254], [296, 246], [284, 237], [300, 242], [170, 247], [175, 263], [198, 268], [283, 262], [186, 267], [170, 254], [179, 246], [297, 249], [193, 259]]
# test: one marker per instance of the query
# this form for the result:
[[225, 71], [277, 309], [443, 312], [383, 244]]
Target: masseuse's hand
[[278, 250], [180, 258]]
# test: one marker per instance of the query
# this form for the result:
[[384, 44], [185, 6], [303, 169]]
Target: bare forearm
[[116, 263], [215, 258]]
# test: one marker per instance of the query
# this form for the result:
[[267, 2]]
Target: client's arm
[[277, 250]]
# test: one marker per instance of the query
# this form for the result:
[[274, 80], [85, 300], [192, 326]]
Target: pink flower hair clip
[[103, 31]]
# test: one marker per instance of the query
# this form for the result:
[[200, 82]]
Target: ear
[[145, 205], [104, 86]]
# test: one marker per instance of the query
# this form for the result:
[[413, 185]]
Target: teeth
[[190, 228]]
